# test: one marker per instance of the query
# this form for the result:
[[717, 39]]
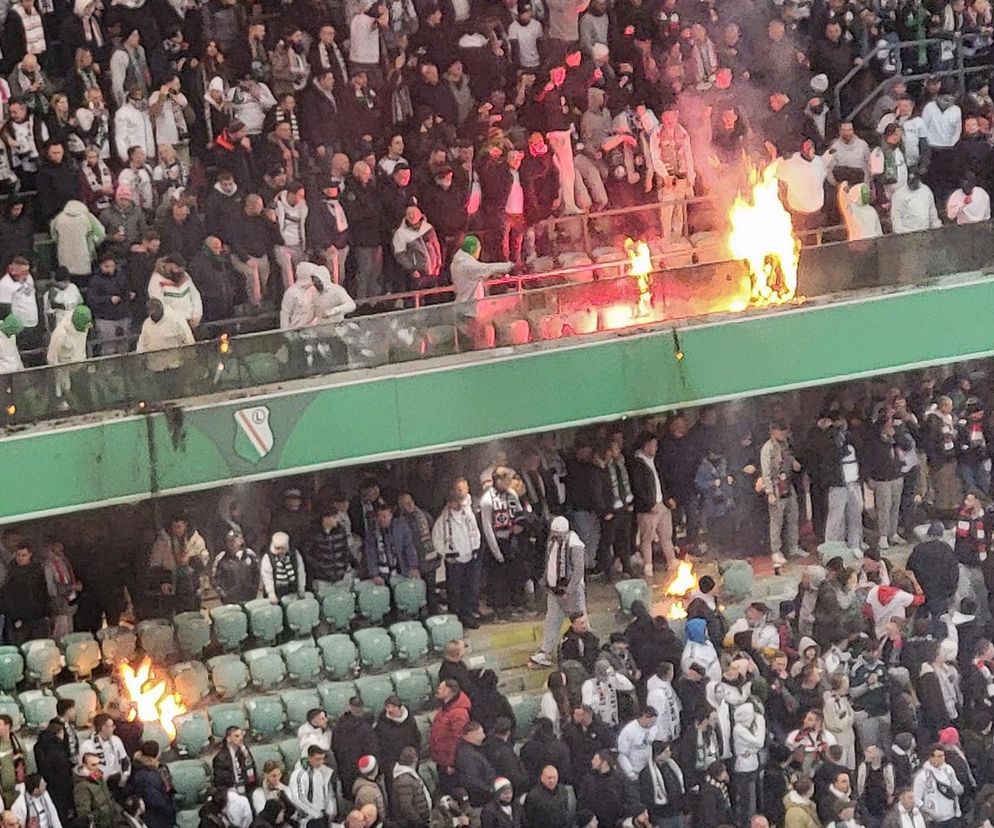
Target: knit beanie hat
[[11, 326], [367, 765], [471, 245], [82, 318], [500, 783]]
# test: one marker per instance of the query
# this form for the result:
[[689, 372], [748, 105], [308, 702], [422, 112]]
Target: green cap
[[11, 326], [471, 244], [82, 318]]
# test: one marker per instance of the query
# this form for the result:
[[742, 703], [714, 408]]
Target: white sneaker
[[897, 540], [778, 559], [647, 572], [541, 659], [883, 544], [797, 552], [529, 587]]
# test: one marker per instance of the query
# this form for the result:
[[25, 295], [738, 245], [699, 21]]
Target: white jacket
[[468, 275], [76, 232], [297, 307], [661, 696], [113, 756], [291, 220], [21, 297], [635, 748], [936, 806], [748, 737], [979, 208], [133, 128], [456, 534], [308, 735], [913, 210], [321, 784], [38, 803], [266, 574], [181, 298], [169, 332], [10, 357], [66, 344]]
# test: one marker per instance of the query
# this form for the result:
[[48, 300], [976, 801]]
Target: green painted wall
[[466, 400]]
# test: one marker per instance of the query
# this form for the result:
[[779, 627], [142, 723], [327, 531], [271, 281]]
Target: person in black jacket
[[579, 643], [545, 749], [489, 704], [713, 805], [584, 735], [17, 234], [499, 750], [149, 780], [181, 231], [236, 570], [503, 810], [55, 766], [936, 569], [474, 773], [252, 239], [220, 286], [24, 596], [231, 152], [326, 553], [363, 206], [602, 793], [651, 640], [395, 730], [352, 737], [234, 766], [111, 301], [319, 114], [661, 786], [223, 205], [547, 804], [58, 182]]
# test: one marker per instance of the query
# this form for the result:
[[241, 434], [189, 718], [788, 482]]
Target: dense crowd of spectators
[[196, 153]]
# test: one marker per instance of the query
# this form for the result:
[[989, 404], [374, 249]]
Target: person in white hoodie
[[600, 693], [314, 299], [172, 285], [635, 743], [291, 220], [456, 537], [77, 234], [937, 790], [860, 217], [912, 208], [313, 787], [748, 740], [68, 345], [565, 564], [163, 330], [133, 126], [469, 273], [662, 698], [969, 204]]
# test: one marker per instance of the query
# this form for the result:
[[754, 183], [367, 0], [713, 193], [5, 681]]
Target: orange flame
[[762, 235], [639, 268], [153, 699], [683, 581], [676, 611]]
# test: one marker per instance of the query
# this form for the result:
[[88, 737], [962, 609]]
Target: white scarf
[[659, 795]]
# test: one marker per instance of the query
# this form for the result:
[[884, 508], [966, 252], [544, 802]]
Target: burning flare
[[676, 612], [683, 582], [153, 699], [762, 235], [639, 268]]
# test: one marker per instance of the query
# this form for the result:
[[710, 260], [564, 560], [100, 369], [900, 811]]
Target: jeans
[[334, 258], [287, 258], [616, 541], [887, 500], [845, 515], [588, 528], [557, 609], [744, 796], [110, 330], [368, 271], [256, 273]]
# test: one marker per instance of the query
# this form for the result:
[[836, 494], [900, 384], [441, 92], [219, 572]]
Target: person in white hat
[[368, 786], [504, 810], [282, 569], [565, 588]]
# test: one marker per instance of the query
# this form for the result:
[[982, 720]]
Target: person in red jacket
[[447, 729]]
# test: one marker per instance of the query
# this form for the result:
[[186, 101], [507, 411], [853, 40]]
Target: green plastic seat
[[410, 641], [525, 712], [82, 653], [413, 686], [11, 668], [42, 660], [38, 706], [373, 600], [340, 656], [375, 647], [428, 771], [297, 703], [433, 672], [193, 732], [302, 614], [107, 690], [9, 706], [442, 629], [193, 634], [189, 818], [229, 675], [266, 667], [191, 681], [264, 753], [266, 716], [423, 721], [85, 698], [335, 697], [157, 638], [117, 644], [225, 715], [481, 662], [338, 608], [303, 661], [290, 751], [410, 596], [630, 591], [190, 781], [265, 619], [28, 742], [374, 691], [230, 625]]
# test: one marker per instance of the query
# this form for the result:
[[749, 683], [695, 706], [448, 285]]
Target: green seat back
[[302, 614], [525, 712], [193, 634], [193, 732], [266, 667], [157, 638], [410, 641], [229, 675], [38, 706], [266, 717], [190, 781], [117, 644], [230, 625], [265, 620], [630, 591], [340, 656], [85, 698], [374, 601], [107, 689], [9, 705], [264, 753], [290, 751], [303, 661], [297, 703], [189, 818], [191, 681], [428, 772], [374, 691], [11, 668], [442, 629], [410, 596], [338, 609], [225, 715], [42, 660], [335, 697], [375, 647], [82, 655], [413, 686]]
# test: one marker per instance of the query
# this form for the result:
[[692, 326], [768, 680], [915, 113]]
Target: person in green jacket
[[11, 760], [94, 801]]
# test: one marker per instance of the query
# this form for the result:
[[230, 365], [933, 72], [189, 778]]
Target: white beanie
[[819, 83], [559, 525], [280, 540], [367, 765], [599, 51], [500, 783]]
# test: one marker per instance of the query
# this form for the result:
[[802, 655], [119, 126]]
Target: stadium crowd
[[188, 157]]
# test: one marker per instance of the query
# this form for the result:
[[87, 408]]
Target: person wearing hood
[[77, 234], [860, 217], [469, 273], [150, 781], [331, 302], [163, 331], [55, 766], [396, 729], [489, 703], [799, 809], [416, 249], [235, 571], [748, 741], [68, 345], [700, 650], [282, 569], [17, 232], [565, 564], [969, 204], [410, 800]]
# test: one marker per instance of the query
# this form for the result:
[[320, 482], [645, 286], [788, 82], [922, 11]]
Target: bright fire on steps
[[640, 268], [678, 588], [154, 701], [762, 234]]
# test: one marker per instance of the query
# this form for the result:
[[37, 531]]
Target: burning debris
[[677, 589], [640, 268], [152, 696]]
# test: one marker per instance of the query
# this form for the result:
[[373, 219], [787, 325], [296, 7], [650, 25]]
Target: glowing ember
[[762, 235], [676, 611], [639, 268], [683, 582], [152, 696]]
